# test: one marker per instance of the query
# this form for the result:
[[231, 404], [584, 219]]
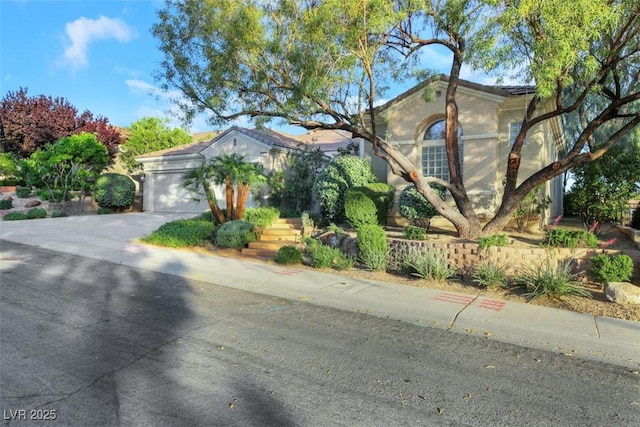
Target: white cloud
[[83, 31]]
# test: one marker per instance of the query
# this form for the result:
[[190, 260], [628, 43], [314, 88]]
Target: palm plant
[[199, 179], [238, 176]]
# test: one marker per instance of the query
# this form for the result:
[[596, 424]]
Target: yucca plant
[[550, 279], [428, 263]]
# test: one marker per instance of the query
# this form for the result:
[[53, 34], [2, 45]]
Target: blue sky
[[98, 54]]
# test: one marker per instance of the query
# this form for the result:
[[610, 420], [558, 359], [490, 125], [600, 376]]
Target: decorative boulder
[[32, 203], [622, 292]]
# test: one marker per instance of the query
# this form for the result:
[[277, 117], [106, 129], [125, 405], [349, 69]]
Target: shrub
[[344, 262], [373, 247], [382, 196], [15, 216], [563, 238], [322, 256], [104, 211], [182, 233], [412, 232], [114, 190], [262, 216], [359, 208], [611, 268], [332, 183], [23, 192], [413, 206], [489, 274], [52, 196], [58, 214], [493, 240], [235, 234], [549, 279], [289, 255], [6, 204], [428, 263], [207, 216], [36, 213], [635, 218]]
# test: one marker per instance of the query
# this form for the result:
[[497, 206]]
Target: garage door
[[167, 194]]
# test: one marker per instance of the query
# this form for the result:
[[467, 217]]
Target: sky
[[100, 56]]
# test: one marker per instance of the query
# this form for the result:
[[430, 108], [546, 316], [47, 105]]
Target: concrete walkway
[[110, 238]]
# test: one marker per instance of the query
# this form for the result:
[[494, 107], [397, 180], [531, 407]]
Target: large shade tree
[[30, 122], [325, 64]]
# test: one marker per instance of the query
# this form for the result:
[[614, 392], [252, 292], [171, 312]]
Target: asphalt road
[[91, 343]]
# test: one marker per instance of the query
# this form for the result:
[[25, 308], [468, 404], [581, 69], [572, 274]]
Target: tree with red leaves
[[28, 123]]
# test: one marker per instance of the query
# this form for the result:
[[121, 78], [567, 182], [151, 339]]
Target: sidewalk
[[109, 238]]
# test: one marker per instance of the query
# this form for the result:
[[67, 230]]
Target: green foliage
[[23, 192], [182, 233], [602, 189], [261, 216], [611, 268], [549, 279], [149, 134], [58, 214], [331, 185], [235, 234], [493, 240], [307, 220], [373, 247], [15, 216], [529, 208], [67, 166], [563, 238], [635, 218], [105, 211], [207, 216], [296, 191], [412, 232], [382, 196], [428, 263], [413, 206], [489, 274], [6, 204], [324, 256], [289, 255], [113, 190], [8, 165], [334, 228], [359, 208], [36, 213]]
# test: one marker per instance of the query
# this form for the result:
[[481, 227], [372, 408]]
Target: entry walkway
[[111, 238]]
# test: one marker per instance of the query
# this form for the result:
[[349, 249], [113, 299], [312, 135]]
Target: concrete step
[[276, 234], [284, 226], [296, 222], [260, 253], [269, 244]]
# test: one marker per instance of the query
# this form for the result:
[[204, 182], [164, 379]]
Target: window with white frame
[[434, 153]]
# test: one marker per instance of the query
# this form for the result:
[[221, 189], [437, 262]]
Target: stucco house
[[489, 120], [163, 189]]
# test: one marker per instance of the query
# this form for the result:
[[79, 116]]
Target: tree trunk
[[229, 197], [212, 202], [243, 193]]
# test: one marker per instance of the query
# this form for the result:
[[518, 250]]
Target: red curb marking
[[11, 258], [288, 272], [492, 305], [456, 299]]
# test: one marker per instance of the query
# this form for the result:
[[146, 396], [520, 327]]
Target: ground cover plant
[[550, 279], [36, 213], [493, 240], [182, 233], [235, 234], [289, 255], [563, 238], [15, 216]]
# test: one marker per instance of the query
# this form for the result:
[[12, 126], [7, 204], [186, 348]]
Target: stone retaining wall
[[465, 255]]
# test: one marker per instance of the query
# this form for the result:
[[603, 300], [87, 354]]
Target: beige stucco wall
[[485, 120]]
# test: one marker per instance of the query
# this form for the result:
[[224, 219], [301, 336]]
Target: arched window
[[434, 153]]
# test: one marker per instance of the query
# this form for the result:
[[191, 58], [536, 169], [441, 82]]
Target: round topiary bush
[[413, 206], [6, 204], [332, 183], [235, 234], [114, 190], [359, 208], [382, 195], [289, 255]]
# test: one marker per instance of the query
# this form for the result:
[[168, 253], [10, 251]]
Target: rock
[[9, 198], [32, 203], [622, 292]]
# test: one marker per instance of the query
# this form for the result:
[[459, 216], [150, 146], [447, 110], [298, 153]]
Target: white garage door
[[167, 194]]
